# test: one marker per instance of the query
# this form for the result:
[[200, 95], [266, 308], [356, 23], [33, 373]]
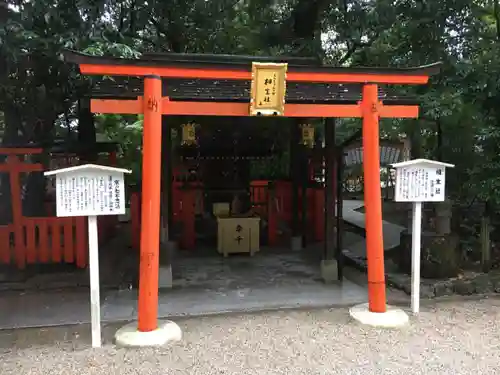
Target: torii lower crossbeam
[[187, 108]]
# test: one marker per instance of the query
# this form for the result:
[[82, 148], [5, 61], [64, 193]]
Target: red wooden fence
[[29, 240], [44, 240]]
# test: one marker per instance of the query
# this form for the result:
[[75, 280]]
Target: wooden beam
[[21, 168], [134, 106], [398, 111], [20, 150], [233, 74]]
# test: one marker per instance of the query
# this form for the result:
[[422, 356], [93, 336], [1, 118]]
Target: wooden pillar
[[86, 132], [304, 184], [319, 214], [373, 200], [150, 215], [113, 161], [339, 170], [294, 169], [319, 193], [272, 215], [329, 244], [188, 199]]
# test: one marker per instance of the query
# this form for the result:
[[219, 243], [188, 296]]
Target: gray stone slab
[[49, 309], [208, 302], [391, 232], [202, 285]]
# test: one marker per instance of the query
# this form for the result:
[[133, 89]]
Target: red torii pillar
[[373, 199], [151, 199]]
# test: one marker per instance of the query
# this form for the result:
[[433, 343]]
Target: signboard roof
[[422, 162], [86, 168]]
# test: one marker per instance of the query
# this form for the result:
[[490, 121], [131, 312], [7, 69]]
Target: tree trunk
[[87, 136], [416, 140], [34, 198]]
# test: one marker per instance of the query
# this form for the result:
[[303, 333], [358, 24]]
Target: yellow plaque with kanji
[[307, 135], [188, 134], [268, 89]]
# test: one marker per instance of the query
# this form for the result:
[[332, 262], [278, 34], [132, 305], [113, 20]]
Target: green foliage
[[127, 131], [274, 168]]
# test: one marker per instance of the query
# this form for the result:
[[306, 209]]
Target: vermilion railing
[[44, 240], [31, 240]]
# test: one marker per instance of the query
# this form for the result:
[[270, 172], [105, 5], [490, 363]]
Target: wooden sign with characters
[[91, 190], [419, 181], [268, 89]]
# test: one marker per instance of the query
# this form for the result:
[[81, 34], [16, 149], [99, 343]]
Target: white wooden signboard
[[91, 190], [419, 181]]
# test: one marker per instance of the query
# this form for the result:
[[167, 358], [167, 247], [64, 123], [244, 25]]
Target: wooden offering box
[[238, 234]]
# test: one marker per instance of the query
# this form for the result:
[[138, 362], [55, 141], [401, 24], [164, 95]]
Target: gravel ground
[[450, 338]]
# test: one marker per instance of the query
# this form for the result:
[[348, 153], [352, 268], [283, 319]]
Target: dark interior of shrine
[[236, 162], [234, 170]]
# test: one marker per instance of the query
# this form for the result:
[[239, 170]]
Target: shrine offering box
[[238, 234]]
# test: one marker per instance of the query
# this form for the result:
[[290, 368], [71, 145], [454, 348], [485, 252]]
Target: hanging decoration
[[307, 138], [189, 134], [267, 93]]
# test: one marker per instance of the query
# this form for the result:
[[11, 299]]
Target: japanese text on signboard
[[91, 193], [420, 184], [267, 96]]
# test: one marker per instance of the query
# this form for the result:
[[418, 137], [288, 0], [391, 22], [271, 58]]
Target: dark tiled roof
[[232, 90], [241, 63], [232, 59]]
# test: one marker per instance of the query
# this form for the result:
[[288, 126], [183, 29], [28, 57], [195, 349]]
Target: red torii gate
[[153, 104]]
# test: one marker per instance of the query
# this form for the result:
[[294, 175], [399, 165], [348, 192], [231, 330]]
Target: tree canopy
[[460, 119]]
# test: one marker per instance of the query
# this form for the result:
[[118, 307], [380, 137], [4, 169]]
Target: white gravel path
[[451, 338]]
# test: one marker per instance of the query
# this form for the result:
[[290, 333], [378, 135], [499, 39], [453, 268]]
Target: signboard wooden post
[[267, 96], [418, 181], [91, 190]]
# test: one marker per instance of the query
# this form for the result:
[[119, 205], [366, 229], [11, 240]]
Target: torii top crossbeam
[[155, 98], [231, 67], [220, 85]]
